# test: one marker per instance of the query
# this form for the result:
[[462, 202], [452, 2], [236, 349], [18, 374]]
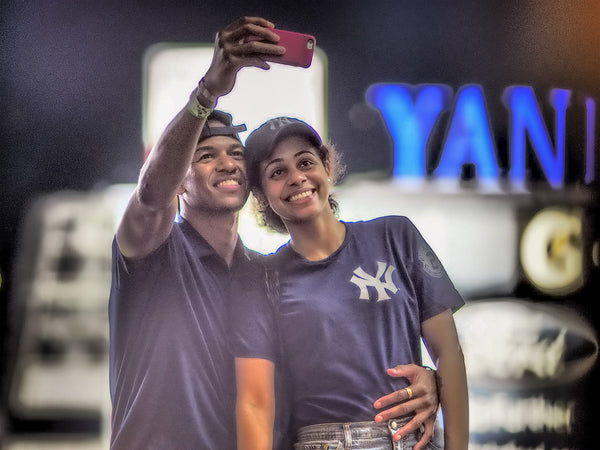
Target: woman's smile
[[301, 195]]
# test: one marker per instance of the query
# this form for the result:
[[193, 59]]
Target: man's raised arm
[[148, 217]]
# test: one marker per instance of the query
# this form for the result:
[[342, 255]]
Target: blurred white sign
[[172, 71]]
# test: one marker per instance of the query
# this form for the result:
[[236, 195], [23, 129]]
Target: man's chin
[[231, 207], [233, 202], [237, 205]]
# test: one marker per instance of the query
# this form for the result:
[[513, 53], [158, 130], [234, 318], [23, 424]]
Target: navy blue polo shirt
[[172, 377]]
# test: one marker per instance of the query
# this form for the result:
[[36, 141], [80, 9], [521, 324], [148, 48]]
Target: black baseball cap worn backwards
[[261, 142], [226, 128]]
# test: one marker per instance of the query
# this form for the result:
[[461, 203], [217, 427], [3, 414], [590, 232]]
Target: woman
[[335, 307]]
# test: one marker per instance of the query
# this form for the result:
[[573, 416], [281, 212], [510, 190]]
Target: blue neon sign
[[469, 138], [526, 119], [411, 113], [410, 122], [590, 109]]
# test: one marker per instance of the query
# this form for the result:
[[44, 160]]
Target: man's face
[[216, 181]]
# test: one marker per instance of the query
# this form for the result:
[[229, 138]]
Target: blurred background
[[521, 249]]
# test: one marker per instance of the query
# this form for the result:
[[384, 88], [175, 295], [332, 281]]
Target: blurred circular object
[[551, 251]]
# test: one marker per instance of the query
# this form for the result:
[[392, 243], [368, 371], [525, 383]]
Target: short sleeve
[[436, 292]]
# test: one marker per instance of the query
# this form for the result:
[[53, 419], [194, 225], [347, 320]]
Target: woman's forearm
[[452, 385], [441, 338]]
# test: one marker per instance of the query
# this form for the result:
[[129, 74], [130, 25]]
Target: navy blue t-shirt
[[172, 379], [342, 321]]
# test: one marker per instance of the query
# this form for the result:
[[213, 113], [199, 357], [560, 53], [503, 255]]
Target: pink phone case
[[299, 48]]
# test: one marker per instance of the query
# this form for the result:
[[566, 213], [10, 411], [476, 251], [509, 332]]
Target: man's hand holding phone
[[299, 48], [254, 42]]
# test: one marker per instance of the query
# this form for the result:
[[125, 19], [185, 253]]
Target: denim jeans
[[363, 436]]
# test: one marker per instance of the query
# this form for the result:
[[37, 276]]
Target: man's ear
[[180, 189]]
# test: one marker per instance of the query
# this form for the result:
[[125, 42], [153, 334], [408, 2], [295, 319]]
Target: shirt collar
[[204, 249]]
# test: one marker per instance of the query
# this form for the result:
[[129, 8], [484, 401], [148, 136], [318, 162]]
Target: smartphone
[[299, 48]]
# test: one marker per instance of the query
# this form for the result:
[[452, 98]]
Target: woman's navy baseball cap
[[262, 141]]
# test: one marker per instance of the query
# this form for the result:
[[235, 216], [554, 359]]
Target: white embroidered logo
[[279, 122], [363, 280]]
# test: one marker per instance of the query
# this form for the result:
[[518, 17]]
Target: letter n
[[526, 119]]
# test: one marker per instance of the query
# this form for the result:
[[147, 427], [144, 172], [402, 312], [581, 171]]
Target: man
[[171, 373]]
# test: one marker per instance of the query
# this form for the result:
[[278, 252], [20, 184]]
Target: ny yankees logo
[[279, 122], [362, 279]]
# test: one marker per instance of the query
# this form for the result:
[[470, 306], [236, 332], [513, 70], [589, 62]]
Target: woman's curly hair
[[265, 215]]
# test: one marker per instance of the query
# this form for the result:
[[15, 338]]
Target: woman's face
[[295, 180]]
